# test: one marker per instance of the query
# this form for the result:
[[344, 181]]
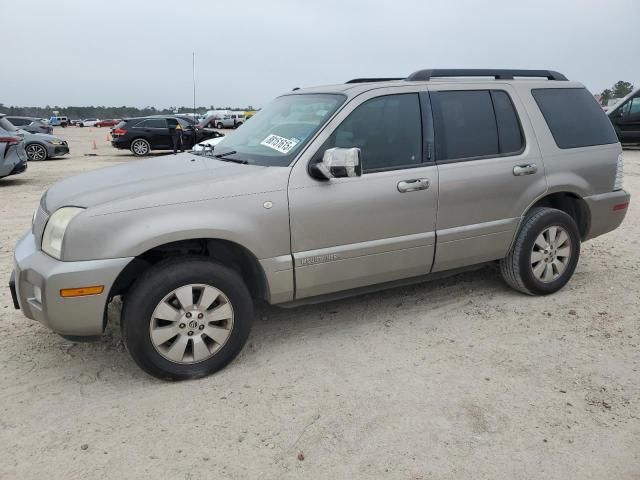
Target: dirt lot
[[456, 379]]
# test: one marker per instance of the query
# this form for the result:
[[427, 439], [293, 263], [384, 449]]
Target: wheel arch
[[225, 252], [569, 202]]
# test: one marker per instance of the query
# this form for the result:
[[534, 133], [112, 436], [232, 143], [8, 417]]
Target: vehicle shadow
[[276, 327], [11, 182]]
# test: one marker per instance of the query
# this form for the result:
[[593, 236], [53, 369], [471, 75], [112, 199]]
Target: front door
[[628, 121], [379, 227]]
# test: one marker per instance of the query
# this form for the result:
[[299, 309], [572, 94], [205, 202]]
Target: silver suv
[[328, 191]]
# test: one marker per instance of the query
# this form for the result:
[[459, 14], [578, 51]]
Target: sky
[[139, 52]]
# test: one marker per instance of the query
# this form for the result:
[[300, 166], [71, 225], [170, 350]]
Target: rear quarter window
[[574, 117]]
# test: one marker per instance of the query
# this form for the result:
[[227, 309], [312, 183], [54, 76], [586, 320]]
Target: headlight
[[54, 231], [55, 142]]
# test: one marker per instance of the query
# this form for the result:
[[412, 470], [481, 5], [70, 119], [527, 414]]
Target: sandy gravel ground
[[455, 379]]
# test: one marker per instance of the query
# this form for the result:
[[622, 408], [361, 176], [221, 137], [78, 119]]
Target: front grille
[[39, 222]]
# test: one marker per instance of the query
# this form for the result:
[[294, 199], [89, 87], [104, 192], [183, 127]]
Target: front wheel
[[545, 253], [36, 152], [186, 318], [140, 147]]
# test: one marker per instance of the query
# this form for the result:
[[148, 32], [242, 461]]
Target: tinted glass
[[153, 123], [387, 130], [19, 122], [509, 133], [574, 117], [464, 123]]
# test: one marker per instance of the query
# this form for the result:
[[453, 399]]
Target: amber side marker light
[[82, 291]]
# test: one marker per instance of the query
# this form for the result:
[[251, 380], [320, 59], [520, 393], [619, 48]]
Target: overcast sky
[[138, 53]]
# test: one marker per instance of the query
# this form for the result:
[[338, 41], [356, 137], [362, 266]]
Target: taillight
[[10, 140], [118, 132], [617, 184]]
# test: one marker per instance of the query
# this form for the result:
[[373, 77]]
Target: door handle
[[413, 185], [529, 169]]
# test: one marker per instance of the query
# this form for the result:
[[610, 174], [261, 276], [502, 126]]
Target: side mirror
[[337, 163]]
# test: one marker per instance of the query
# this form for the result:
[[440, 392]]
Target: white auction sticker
[[280, 144]]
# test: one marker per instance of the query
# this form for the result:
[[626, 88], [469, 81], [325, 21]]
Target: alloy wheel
[[36, 152], [550, 254], [191, 324]]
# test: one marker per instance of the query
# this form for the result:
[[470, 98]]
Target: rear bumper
[[607, 211], [121, 143], [38, 279]]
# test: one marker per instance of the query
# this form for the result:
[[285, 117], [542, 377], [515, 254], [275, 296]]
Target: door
[[628, 121], [157, 132], [490, 171], [379, 227]]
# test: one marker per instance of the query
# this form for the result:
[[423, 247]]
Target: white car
[[89, 122], [207, 145]]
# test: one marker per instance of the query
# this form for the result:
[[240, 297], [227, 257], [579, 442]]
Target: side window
[[464, 124], [155, 123], [387, 130], [574, 117], [634, 109], [509, 131], [18, 122], [172, 122]]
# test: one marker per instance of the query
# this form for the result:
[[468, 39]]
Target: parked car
[[40, 146], [75, 122], [144, 134], [625, 117], [88, 122], [107, 123], [30, 124], [207, 146], [13, 158], [327, 192], [59, 121], [231, 120]]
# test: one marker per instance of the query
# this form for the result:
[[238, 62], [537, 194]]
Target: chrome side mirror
[[338, 163]]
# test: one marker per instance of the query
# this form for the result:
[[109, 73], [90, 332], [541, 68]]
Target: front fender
[[242, 219]]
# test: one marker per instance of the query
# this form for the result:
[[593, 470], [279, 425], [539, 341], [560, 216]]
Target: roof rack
[[368, 80], [498, 74]]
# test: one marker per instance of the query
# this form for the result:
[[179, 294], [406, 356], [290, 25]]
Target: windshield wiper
[[221, 156]]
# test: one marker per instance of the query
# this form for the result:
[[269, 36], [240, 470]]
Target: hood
[[165, 180]]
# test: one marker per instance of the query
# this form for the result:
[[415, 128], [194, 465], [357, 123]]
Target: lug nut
[[201, 327], [188, 315], [200, 316], [190, 333], [182, 325]]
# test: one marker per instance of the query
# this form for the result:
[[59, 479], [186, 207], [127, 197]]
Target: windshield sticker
[[280, 144]]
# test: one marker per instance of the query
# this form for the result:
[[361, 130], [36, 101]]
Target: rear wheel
[[545, 253], [219, 126], [186, 318], [36, 152], [140, 147]]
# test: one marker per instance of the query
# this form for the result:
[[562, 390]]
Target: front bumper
[[38, 279], [607, 211], [58, 150]]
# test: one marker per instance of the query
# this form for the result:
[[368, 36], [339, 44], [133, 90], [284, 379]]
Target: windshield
[[275, 134]]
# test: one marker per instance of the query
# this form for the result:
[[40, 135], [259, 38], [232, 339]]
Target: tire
[[534, 270], [155, 289], [219, 126], [140, 147], [36, 152]]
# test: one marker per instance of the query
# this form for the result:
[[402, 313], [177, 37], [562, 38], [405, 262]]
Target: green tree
[[621, 89], [606, 95]]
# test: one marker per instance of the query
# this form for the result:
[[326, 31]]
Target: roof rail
[[498, 74], [367, 80]]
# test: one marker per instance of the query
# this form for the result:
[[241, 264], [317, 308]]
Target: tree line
[[103, 112]]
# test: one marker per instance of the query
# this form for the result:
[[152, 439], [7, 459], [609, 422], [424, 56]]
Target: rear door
[[490, 170], [157, 132]]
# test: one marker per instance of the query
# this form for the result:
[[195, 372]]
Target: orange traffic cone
[[94, 147]]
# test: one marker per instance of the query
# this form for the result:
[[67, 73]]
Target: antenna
[[193, 68]]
